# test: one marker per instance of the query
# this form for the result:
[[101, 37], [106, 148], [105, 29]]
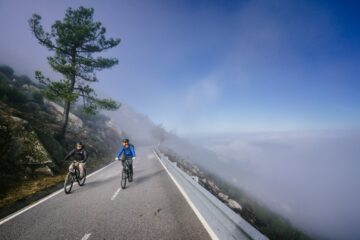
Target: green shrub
[[8, 71], [38, 97], [10, 94], [3, 91], [15, 96], [3, 78], [22, 80]]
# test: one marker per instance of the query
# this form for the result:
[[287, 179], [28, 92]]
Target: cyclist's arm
[[120, 152], [85, 156], [70, 154], [132, 149]]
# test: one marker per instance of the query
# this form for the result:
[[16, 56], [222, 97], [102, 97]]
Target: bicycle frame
[[74, 176], [125, 173]]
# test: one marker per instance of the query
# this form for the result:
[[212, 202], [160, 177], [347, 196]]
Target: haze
[[271, 88]]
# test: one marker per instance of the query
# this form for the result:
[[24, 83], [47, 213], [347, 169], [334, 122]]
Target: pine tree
[[75, 40]]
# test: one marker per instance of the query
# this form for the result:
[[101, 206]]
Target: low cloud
[[203, 92], [310, 178]]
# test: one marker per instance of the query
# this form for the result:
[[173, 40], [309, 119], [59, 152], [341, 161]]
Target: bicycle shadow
[[97, 183], [144, 178]]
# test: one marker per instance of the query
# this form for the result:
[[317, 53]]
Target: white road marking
[[198, 214], [86, 236], [115, 194], [4, 220]]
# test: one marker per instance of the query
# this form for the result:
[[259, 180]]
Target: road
[[151, 207]]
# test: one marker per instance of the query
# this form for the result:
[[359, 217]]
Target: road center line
[[115, 194], [86, 236]]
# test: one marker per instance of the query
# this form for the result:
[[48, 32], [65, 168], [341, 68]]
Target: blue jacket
[[129, 152]]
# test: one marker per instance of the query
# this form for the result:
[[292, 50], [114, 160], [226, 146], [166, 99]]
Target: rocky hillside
[[267, 222], [28, 123]]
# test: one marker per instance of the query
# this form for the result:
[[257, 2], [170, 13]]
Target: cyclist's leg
[[81, 169], [131, 166], [71, 167], [76, 165]]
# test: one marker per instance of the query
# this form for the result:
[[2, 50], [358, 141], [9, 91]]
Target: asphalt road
[[151, 207]]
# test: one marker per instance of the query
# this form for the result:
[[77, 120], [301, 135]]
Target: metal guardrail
[[218, 219]]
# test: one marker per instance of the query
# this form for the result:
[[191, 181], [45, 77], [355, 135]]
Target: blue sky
[[216, 66]]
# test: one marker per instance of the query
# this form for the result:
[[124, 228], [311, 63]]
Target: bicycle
[[73, 176], [125, 174]]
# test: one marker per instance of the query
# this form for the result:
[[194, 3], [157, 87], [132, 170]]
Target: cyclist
[[80, 156], [128, 152]]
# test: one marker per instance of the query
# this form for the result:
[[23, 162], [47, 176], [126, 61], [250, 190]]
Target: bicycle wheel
[[130, 177], [68, 183], [123, 179], [81, 181]]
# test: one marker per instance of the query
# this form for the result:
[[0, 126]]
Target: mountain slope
[[30, 154]]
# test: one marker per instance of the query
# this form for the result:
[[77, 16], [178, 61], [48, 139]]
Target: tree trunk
[[65, 120], [67, 102]]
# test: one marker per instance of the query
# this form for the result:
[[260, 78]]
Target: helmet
[[78, 143]]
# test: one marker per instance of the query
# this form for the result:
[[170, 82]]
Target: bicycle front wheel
[[82, 180], [123, 179], [68, 183]]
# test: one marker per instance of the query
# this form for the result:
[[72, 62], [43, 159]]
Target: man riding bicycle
[[80, 157], [127, 151]]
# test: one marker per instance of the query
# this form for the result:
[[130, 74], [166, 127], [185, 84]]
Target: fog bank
[[311, 178]]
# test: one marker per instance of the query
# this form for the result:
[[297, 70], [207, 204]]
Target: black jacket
[[80, 155]]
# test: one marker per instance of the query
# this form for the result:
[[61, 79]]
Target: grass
[[23, 189], [18, 190]]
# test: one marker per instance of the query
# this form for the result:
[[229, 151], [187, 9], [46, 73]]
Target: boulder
[[45, 170], [19, 120], [33, 106], [223, 197], [30, 87], [74, 121], [213, 186], [234, 204]]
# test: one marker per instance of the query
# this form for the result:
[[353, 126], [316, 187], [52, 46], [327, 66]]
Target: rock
[[213, 186], [224, 197], [74, 121], [194, 170], [211, 183], [44, 171], [29, 160], [29, 87], [28, 171], [234, 204], [33, 106], [19, 120], [3, 128]]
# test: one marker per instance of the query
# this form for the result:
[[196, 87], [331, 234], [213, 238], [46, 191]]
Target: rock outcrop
[[21, 150], [195, 172], [74, 121]]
